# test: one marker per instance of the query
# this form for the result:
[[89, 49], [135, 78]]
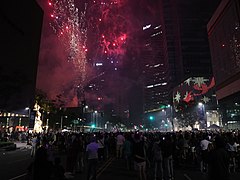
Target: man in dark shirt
[[139, 156], [219, 161]]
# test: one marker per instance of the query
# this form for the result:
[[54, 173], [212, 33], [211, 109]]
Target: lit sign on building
[[193, 89], [99, 64], [146, 27]]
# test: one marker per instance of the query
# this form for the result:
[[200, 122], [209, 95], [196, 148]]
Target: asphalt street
[[13, 164], [116, 169]]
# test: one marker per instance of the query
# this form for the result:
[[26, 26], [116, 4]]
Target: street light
[[151, 118], [29, 111], [95, 118], [201, 105], [171, 116], [62, 121]]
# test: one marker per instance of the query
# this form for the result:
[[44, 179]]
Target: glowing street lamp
[[202, 107], [151, 118], [29, 111]]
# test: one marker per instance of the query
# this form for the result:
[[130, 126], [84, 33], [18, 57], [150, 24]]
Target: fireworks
[[70, 26], [94, 29], [109, 25]]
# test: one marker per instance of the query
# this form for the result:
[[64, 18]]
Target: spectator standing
[[219, 161], [41, 168], [92, 158], [34, 145], [204, 152], [139, 155], [167, 151], [101, 147], [120, 140], [127, 148], [58, 170], [157, 158]]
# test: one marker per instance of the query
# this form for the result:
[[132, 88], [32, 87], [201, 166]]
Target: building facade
[[176, 48], [224, 40], [20, 42]]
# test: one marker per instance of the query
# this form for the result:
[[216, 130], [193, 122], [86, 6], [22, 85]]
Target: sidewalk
[[22, 145], [7, 146]]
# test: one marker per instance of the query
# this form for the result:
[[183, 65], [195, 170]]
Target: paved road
[[116, 170], [13, 164]]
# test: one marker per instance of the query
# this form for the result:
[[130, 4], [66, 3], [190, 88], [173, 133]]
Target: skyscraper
[[186, 35], [155, 67], [224, 39], [21, 24]]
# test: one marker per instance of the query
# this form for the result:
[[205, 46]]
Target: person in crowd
[[119, 149], [218, 160], [106, 145], [112, 144], [70, 158], [204, 153], [127, 149], [58, 170], [34, 145], [139, 155], [158, 159], [193, 143], [92, 158], [81, 153], [100, 142], [232, 151], [41, 168], [167, 152]]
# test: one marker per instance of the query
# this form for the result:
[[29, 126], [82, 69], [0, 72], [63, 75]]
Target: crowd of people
[[213, 153]]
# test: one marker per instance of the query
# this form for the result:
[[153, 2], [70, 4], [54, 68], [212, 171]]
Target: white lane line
[[17, 177], [105, 167], [187, 177]]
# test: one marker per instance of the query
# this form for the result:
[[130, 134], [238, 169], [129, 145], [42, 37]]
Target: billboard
[[194, 90]]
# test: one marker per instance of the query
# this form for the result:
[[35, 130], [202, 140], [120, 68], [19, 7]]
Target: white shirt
[[204, 144]]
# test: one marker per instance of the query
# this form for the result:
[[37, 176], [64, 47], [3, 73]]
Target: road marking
[[104, 168], [103, 165], [20, 160], [17, 177], [187, 177]]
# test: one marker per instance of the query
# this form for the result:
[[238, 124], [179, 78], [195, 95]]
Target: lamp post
[[61, 123], [95, 118], [171, 116], [29, 113], [201, 105]]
